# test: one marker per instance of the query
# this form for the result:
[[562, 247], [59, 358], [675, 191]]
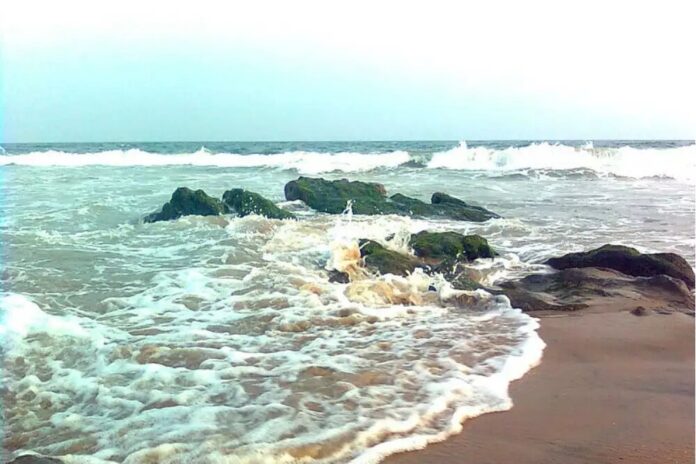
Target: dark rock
[[35, 459], [370, 198], [338, 277], [386, 261], [244, 202], [450, 246], [629, 261], [641, 311], [458, 209], [185, 202], [580, 288], [455, 209]]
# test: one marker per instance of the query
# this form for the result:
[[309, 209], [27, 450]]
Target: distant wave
[[303, 162], [678, 163], [626, 161]]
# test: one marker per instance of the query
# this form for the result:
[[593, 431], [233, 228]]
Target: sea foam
[[260, 359]]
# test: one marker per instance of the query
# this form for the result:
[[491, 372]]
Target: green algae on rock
[[371, 199], [386, 261], [244, 202], [333, 196], [436, 252], [186, 202], [450, 246]]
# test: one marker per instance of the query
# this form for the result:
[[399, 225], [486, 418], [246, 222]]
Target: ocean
[[221, 340]]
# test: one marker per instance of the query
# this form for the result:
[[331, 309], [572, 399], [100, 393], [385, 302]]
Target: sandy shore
[[612, 388]]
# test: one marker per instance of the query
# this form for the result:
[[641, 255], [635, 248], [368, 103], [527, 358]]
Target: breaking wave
[[537, 158], [625, 161], [305, 162]]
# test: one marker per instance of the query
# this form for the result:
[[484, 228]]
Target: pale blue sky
[[353, 72]]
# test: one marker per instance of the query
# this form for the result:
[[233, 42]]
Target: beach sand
[[612, 388]]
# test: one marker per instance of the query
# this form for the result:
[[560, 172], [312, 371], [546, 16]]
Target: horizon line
[[364, 141]]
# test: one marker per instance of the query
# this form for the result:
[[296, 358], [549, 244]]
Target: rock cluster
[[186, 202], [611, 274]]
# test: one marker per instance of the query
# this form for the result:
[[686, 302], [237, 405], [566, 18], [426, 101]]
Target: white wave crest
[[305, 162], [678, 163]]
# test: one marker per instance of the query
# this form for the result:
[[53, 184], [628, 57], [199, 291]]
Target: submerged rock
[[186, 202], [641, 311], [387, 261], [339, 277], [371, 198], [244, 202], [585, 288], [461, 281], [629, 261], [35, 459]]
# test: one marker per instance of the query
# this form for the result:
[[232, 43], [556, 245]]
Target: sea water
[[221, 340]]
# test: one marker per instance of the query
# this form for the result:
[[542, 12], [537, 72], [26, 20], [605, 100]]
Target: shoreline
[[611, 387]]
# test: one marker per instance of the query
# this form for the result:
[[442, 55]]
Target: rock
[[386, 261], [185, 202], [582, 288], [457, 209], [338, 277], [370, 198], [629, 261], [35, 459], [244, 202], [333, 196], [450, 246], [641, 311]]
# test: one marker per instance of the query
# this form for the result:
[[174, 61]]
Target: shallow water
[[221, 339]]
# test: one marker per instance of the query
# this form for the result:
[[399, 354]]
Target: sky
[[85, 71]]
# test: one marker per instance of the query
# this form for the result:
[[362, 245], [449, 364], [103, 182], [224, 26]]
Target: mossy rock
[[450, 246], [370, 198], [387, 261], [186, 202], [628, 261], [244, 202], [333, 196], [457, 209]]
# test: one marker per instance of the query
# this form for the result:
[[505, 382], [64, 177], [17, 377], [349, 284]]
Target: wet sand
[[612, 388]]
